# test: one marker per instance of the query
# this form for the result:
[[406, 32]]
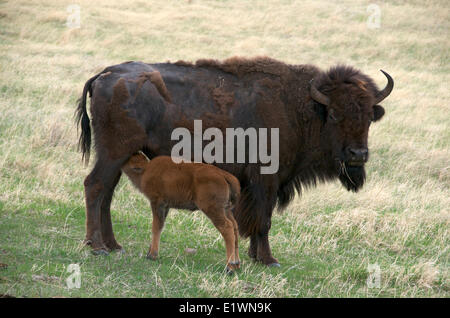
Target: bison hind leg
[[99, 187], [107, 231]]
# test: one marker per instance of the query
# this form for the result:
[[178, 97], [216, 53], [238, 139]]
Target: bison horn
[[318, 96], [387, 90]]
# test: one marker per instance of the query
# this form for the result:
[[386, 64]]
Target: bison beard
[[136, 106], [352, 177]]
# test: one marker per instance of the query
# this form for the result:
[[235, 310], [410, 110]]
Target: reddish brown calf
[[191, 186]]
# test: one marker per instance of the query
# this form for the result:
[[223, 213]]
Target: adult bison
[[323, 120]]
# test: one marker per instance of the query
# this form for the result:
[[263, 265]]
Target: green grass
[[325, 240]]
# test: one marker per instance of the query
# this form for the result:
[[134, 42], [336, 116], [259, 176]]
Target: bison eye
[[332, 116]]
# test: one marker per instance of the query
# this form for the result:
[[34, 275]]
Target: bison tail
[[82, 121]]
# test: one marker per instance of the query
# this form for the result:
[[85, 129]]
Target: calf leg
[[159, 212], [226, 228], [236, 236]]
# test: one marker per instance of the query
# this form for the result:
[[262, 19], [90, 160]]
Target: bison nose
[[357, 154]]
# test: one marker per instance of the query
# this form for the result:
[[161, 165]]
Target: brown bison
[[190, 186], [323, 119]]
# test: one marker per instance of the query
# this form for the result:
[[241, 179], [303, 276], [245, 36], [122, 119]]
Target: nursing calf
[[190, 186]]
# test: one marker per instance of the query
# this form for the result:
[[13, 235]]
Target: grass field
[[326, 239]]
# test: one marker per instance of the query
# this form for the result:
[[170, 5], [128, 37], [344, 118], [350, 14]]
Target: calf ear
[[143, 155], [378, 112]]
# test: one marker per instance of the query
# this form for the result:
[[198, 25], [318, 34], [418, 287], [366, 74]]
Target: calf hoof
[[229, 271], [152, 257], [232, 266], [100, 251]]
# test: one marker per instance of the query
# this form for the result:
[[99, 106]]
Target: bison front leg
[[259, 248], [253, 247], [254, 219]]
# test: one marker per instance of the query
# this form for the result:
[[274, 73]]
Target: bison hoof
[[274, 265], [100, 252], [87, 242], [119, 251], [113, 245]]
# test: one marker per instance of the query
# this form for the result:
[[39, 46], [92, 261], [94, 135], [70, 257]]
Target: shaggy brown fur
[[156, 79], [189, 186], [323, 119]]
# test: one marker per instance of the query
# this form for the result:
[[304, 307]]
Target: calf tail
[[82, 120], [235, 187]]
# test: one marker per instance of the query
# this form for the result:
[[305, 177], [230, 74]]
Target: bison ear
[[321, 111], [378, 112]]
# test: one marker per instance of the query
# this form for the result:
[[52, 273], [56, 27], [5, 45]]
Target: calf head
[[347, 102], [135, 167]]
